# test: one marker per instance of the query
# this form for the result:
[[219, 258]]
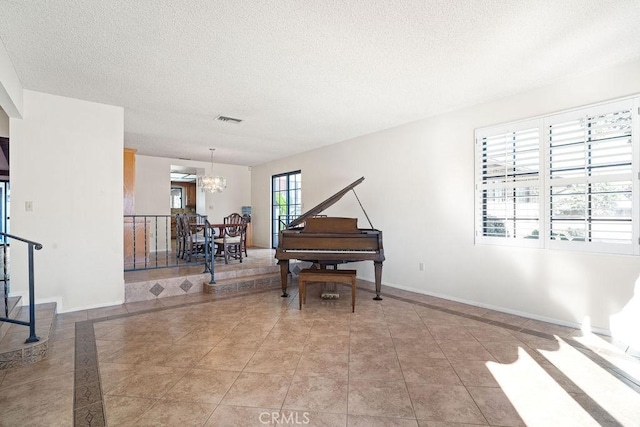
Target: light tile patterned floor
[[254, 359]]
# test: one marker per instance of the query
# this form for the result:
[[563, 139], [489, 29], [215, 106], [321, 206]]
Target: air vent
[[228, 119]]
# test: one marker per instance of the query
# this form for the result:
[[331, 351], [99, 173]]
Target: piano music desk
[[324, 275]]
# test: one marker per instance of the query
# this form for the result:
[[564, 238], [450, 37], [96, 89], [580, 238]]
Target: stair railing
[[5, 280], [148, 241]]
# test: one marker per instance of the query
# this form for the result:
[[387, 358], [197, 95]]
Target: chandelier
[[212, 183]]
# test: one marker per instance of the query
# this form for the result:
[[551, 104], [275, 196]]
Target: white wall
[[419, 190], [66, 158], [153, 186]]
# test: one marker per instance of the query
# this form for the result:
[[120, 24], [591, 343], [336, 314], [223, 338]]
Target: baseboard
[[60, 308], [25, 300], [527, 315], [89, 307]]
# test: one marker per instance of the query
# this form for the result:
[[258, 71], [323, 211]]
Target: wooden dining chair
[[230, 243], [194, 240], [180, 238], [236, 218]]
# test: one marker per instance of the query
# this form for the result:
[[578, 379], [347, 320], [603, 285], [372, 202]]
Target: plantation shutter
[[508, 183], [591, 181]]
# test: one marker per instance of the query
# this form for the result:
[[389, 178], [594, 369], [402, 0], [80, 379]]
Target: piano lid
[[324, 205]]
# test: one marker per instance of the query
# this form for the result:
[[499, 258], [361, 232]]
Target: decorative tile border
[[88, 407]]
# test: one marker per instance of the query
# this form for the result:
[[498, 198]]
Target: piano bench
[[324, 275]]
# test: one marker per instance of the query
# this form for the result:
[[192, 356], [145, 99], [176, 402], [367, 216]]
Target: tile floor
[[254, 359]]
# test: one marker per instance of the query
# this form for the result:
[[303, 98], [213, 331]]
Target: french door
[[286, 201]]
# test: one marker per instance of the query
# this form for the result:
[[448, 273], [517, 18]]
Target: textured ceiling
[[301, 73]]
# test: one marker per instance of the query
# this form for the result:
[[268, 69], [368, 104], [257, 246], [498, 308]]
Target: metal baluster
[[32, 298], [5, 279], [167, 239], [146, 249], [156, 244], [133, 217]]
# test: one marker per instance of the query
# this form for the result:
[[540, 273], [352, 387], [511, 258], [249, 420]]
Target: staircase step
[[146, 290], [243, 283], [246, 272], [13, 349], [14, 308]]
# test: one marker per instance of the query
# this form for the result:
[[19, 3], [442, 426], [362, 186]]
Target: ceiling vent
[[228, 119]]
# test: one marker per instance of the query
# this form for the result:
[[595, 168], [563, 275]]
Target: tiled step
[[13, 349], [245, 272], [14, 308], [194, 283]]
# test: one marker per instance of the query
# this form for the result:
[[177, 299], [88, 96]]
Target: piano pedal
[[330, 291], [329, 295]]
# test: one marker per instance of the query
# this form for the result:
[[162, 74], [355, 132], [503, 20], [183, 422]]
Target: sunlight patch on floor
[[611, 394], [539, 400], [611, 354]]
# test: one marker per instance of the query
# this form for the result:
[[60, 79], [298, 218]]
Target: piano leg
[[378, 272], [284, 276]]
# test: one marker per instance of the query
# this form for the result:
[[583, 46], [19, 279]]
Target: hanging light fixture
[[212, 183]]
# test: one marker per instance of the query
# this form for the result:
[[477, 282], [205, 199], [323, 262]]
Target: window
[[582, 197], [286, 201]]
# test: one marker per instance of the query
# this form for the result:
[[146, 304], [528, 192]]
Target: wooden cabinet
[[191, 195], [129, 180]]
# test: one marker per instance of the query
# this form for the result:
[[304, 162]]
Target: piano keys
[[329, 241]]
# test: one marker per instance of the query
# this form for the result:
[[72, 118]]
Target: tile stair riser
[[226, 274], [239, 279], [232, 274], [264, 281], [9, 358]]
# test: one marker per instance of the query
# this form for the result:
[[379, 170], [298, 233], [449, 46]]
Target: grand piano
[[329, 240]]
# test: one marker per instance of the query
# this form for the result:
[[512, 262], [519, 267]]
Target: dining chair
[[180, 238], [236, 218], [194, 240], [230, 242]]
